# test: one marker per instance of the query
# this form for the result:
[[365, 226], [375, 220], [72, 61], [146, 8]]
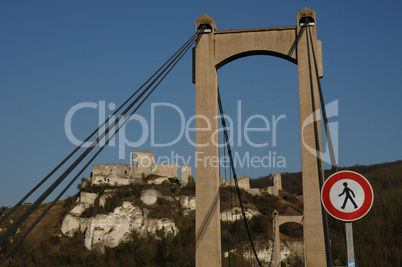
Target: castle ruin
[[143, 165], [244, 183]]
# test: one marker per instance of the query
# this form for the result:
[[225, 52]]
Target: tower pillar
[[207, 219], [313, 232]]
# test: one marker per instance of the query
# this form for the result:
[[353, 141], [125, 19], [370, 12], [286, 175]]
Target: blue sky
[[57, 54]]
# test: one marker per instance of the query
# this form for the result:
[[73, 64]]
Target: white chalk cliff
[[111, 229]]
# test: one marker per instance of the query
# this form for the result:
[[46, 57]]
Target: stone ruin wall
[[277, 180], [143, 162], [122, 170], [114, 174], [125, 174], [185, 172], [244, 183], [167, 170], [98, 240]]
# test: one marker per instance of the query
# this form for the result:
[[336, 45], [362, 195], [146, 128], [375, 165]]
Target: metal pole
[[349, 244]]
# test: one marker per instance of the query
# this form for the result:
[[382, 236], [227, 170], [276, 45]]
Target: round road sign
[[347, 196]]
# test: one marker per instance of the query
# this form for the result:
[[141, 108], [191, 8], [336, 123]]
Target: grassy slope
[[377, 235]]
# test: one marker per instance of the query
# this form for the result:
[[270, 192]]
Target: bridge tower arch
[[214, 50]]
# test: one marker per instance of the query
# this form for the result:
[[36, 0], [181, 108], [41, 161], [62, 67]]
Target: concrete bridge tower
[[215, 49]]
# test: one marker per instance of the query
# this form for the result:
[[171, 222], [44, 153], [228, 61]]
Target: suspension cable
[[227, 214], [176, 58], [324, 112], [222, 208], [318, 150], [334, 166], [232, 211], [235, 176], [225, 220]]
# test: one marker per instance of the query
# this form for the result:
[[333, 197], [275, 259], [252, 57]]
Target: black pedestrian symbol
[[347, 191]]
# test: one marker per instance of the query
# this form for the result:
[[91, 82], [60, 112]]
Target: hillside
[[377, 236]]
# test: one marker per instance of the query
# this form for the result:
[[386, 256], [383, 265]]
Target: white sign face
[[346, 195]]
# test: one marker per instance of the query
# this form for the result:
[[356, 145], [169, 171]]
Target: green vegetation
[[162, 250], [191, 183], [173, 180], [377, 236]]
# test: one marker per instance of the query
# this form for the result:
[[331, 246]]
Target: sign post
[[349, 244], [347, 196]]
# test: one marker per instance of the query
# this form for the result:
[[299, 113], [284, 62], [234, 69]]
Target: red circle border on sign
[[347, 216]]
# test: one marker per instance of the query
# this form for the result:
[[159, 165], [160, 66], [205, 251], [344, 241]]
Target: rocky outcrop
[[291, 252], [71, 225], [78, 210], [151, 196], [88, 199], [235, 214], [157, 181], [103, 198], [111, 229], [271, 190], [116, 225], [187, 204], [152, 225], [146, 210]]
